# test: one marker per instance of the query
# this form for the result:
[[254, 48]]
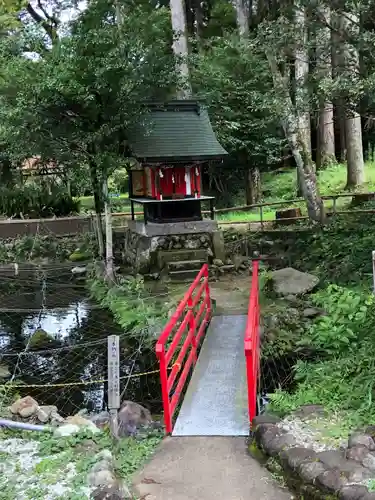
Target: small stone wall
[[142, 252], [317, 469]]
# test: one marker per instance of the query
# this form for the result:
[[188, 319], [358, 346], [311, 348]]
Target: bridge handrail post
[[207, 290], [160, 353], [176, 360], [251, 344], [193, 327]]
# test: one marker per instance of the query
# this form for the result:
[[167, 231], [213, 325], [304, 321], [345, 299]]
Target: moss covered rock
[[79, 256]]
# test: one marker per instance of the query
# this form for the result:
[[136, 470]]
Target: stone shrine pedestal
[[177, 246]]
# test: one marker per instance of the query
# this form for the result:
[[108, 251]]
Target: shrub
[[342, 378], [33, 201]]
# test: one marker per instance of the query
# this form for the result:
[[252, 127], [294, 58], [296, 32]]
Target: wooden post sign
[[114, 381]]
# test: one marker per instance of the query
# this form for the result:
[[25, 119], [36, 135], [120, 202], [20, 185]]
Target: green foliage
[[339, 252], [342, 377], [118, 182], [8, 395], [39, 247], [88, 88], [36, 202], [349, 316], [118, 204], [232, 75], [133, 309]]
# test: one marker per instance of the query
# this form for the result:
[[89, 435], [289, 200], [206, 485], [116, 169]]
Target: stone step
[[166, 256], [185, 265], [187, 275]]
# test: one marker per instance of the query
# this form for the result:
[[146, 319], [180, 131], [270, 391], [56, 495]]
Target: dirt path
[[206, 468], [231, 293]]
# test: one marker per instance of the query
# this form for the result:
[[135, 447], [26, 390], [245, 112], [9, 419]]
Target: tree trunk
[[297, 142], [199, 21], [242, 15], [353, 128], [98, 207], [301, 68], [301, 74], [355, 163], [109, 267], [252, 186], [337, 67], [180, 47], [326, 133]]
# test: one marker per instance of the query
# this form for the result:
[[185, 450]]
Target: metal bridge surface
[[216, 403]]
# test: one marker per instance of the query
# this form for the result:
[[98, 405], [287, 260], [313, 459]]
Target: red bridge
[[221, 353]]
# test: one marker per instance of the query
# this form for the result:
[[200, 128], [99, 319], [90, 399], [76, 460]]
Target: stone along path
[[205, 468]]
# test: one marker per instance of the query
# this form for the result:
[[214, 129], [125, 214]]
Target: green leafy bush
[[343, 376], [340, 252], [118, 182], [33, 201]]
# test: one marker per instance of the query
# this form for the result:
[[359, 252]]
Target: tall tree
[[252, 173], [337, 70], [295, 114], [180, 47], [326, 134], [243, 16], [353, 128], [233, 77], [301, 74]]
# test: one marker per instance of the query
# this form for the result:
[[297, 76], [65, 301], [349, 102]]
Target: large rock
[[115, 492], [265, 419], [293, 458], [75, 424], [309, 471], [280, 443], [358, 439], [352, 492], [331, 481], [131, 417], [289, 281], [310, 411], [25, 407], [260, 431], [48, 413], [103, 478]]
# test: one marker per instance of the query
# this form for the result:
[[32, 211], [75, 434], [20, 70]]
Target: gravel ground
[[26, 475], [319, 434]]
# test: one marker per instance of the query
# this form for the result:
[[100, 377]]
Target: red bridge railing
[[177, 346], [252, 345]]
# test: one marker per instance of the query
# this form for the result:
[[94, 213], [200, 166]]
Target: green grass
[[253, 216], [280, 186], [119, 204], [276, 187]]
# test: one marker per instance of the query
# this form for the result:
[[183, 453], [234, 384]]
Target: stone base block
[[149, 247]]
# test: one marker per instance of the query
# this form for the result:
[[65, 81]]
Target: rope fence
[[59, 356]]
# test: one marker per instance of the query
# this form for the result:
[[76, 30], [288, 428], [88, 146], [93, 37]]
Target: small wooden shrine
[[171, 145]]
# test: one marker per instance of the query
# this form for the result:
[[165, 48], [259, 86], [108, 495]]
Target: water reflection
[[50, 333]]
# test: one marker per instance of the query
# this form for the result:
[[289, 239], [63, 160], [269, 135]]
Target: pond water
[[51, 333]]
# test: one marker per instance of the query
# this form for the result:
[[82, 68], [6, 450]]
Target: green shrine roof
[[175, 131]]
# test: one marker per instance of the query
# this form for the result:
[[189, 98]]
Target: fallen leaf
[[149, 481]]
